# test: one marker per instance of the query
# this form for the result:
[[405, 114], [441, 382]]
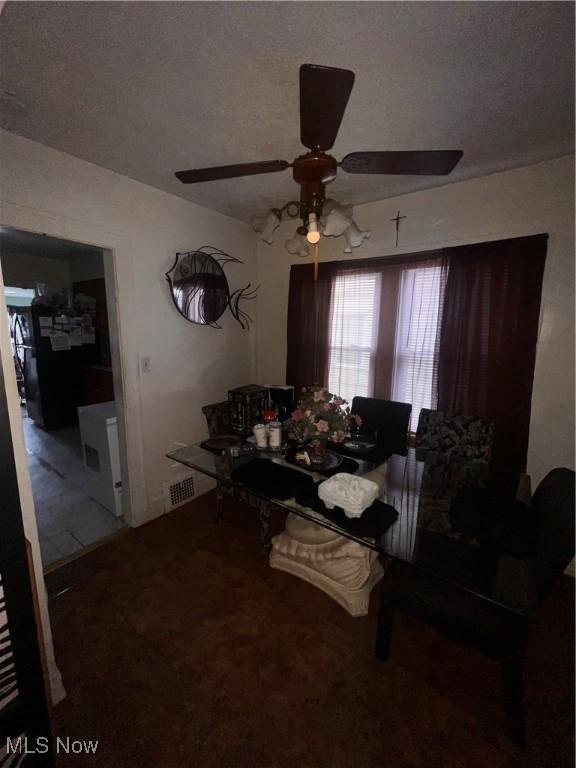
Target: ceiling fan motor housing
[[313, 171]]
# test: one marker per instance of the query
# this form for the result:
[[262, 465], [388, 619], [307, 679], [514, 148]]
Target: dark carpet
[[180, 647]]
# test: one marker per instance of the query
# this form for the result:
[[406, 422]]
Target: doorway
[[58, 298]]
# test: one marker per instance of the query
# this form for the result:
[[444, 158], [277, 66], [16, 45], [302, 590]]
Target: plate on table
[[222, 442], [331, 461], [359, 445]]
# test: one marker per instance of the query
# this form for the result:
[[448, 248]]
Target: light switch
[[146, 365]]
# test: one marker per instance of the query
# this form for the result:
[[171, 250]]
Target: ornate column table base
[[344, 569]]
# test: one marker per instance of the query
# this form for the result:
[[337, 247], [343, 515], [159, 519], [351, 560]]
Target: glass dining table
[[422, 536], [441, 561]]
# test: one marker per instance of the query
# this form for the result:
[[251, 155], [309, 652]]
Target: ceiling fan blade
[[231, 171], [324, 94], [434, 163]]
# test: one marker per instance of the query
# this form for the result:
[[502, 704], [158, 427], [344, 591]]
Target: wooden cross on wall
[[398, 219]]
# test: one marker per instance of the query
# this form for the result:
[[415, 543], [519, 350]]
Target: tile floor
[[68, 519]]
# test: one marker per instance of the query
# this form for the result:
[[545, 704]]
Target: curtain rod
[[408, 258]]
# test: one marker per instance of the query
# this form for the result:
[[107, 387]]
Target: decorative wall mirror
[[200, 291]]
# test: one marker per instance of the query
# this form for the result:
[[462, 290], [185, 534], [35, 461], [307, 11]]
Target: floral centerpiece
[[320, 416]]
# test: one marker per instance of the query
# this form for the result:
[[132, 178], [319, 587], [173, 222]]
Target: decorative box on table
[[246, 406]]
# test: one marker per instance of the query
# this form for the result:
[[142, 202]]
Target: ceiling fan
[[324, 94]]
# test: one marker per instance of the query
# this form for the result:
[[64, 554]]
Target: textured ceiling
[[147, 89]]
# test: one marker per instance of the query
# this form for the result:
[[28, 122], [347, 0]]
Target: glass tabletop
[[422, 535]]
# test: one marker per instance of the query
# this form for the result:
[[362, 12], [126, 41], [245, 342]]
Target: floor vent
[[178, 493]]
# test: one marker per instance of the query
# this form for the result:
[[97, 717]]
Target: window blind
[[415, 355], [353, 334]]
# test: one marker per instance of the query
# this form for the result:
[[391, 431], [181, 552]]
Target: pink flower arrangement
[[320, 415]]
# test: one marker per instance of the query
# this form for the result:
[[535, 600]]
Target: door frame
[[119, 279], [29, 712]]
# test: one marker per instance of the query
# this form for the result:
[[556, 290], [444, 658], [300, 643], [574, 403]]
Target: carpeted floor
[[180, 647]]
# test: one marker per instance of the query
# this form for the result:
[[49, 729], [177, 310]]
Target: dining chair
[[488, 625], [456, 451], [218, 418], [444, 438], [390, 420]]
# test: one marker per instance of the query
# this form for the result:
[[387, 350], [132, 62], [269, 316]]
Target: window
[[415, 354], [353, 334], [19, 297], [431, 329]]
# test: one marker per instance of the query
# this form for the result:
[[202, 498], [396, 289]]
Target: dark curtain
[[309, 324], [488, 339]]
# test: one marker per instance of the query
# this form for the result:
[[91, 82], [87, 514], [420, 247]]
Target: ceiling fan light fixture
[[313, 235], [266, 225], [298, 245]]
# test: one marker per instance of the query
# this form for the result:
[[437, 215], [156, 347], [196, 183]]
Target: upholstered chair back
[[442, 438]]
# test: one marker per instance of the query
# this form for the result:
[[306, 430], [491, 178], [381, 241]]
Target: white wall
[[46, 191], [538, 198], [24, 270]]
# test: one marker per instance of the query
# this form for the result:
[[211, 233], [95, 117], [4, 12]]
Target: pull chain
[[315, 249]]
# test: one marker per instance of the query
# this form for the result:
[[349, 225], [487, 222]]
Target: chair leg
[[219, 503], [513, 688], [385, 626]]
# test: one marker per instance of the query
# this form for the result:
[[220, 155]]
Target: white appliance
[[99, 434]]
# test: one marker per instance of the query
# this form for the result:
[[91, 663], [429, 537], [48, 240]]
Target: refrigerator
[[56, 348]]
